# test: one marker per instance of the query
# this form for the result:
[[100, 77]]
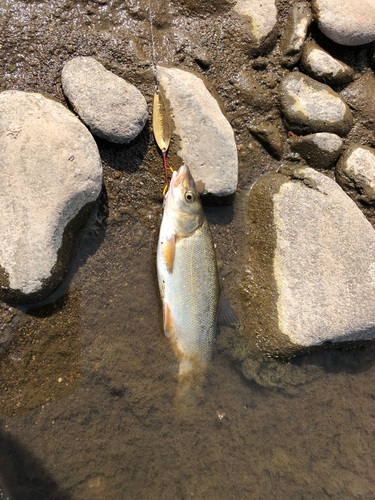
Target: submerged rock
[[309, 106], [320, 65], [299, 19], [255, 96], [51, 176], [345, 21], [185, 43], [196, 113], [112, 108], [262, 15], [310, 278], [321, 150], [355, 172], [270, 137]]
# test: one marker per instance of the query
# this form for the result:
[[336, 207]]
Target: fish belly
[[192, 293]]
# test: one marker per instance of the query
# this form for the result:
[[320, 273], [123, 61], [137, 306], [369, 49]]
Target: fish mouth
[[178, 177]]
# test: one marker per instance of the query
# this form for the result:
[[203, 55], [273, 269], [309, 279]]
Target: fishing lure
[[160, 120]]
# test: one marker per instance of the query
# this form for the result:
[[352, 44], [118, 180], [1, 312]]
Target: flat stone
[[321, 150], [262, 15], [309, 106], [320, 65], [355, 172], [196, 113], [310, 277], [51, 176], [291, 44], [346, 22], [112, 108]]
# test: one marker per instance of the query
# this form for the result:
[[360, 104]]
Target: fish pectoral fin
[[226, 316], [169, 250], [168, 320]]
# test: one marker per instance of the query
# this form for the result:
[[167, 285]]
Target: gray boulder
[[310, 277], [196, 114], [320, 65], [291, 44], [51, 176], [346, 21], [309, 106], [321, 150], [112, 108]]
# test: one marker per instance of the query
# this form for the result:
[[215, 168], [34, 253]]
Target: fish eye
[[189, 196]]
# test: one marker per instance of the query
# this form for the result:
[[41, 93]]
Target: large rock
[[355, 172], [196, 114], [321, 150], [309, 106], [346, 22], [112, 108], [320, 65], [310, 277], [299, 19], [50, 177]]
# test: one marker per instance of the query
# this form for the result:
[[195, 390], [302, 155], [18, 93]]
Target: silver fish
[[187, 274]]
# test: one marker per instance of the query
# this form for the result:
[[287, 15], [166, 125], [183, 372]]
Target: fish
[[188, 276]]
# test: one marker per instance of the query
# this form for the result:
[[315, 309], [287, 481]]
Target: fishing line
[[160, 120], [153, 52]]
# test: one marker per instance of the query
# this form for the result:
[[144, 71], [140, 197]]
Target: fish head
[[183, 206]]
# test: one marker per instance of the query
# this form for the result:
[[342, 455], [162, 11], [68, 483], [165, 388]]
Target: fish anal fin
[[226, 316], [168, 320], [169, 250]]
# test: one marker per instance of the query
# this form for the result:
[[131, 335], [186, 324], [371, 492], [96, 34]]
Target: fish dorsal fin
[[168, 320], [169, 250], [226, 316]]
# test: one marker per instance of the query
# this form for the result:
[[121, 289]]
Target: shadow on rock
[[125, 157], [22, 476]]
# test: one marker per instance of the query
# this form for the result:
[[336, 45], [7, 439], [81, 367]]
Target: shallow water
[[88, 383]]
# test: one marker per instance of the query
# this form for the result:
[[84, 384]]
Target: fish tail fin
[[190, 384]]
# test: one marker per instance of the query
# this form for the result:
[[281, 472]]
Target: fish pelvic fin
[[168, 320], [169, 251]]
